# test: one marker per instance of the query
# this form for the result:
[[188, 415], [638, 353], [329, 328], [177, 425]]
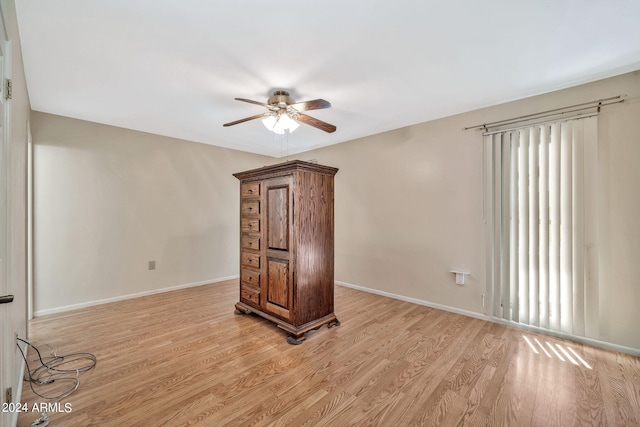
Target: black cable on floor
[[51, 371]]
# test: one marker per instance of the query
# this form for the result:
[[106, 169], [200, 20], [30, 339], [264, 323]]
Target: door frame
[[7, 351]]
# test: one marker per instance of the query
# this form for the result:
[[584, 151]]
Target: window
[[540, 206]]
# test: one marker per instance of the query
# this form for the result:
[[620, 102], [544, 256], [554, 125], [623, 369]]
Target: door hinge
[[9, 90], [8, 395]]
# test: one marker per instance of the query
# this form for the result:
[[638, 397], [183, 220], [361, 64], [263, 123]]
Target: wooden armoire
[[286, 246]]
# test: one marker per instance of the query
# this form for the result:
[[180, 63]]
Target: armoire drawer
[[250, 225], [251, 242], [250, 260], [250, 207], [251, 189], [250, 294], [250, 277]]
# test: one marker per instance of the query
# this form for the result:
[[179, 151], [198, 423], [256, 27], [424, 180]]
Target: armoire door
[[278, 295]]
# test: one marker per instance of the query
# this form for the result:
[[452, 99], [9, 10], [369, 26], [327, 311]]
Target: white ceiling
[[173, 68]]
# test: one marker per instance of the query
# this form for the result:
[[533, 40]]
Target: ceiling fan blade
[[327, 127], [257, 116], [316, 104], [252, 102]]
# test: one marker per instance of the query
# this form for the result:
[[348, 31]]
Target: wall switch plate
[[152, 265]]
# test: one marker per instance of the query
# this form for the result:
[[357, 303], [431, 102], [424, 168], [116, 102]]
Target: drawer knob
[[250, 191], [250, 208]]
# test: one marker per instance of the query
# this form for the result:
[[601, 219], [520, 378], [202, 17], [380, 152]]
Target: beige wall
[[409, 206], [108, 200]]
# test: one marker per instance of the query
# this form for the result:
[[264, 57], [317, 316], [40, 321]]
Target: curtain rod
[[555, 112], [576, 117]]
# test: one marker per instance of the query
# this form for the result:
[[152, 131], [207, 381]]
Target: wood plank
[[183, 358]]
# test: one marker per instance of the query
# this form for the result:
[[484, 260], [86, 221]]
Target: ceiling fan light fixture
[[280, 123], [286, 115]]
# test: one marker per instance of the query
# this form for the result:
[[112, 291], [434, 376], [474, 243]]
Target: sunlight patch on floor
[[558, 350]]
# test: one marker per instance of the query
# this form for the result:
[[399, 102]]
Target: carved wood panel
[[278, 282], [278, 218]]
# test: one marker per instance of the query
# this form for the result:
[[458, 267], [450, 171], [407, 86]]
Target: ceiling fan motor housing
[[281, 98]]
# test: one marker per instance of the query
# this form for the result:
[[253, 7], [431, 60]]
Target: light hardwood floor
[[183, 358]]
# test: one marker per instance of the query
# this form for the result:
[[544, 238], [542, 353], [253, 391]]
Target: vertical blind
[[542, 186]]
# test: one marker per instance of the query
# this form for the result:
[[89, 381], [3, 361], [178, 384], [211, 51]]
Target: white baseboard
[[589, 341], [129, 296], [416, 301]]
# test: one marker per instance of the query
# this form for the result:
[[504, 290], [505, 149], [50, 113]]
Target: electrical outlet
[[8, 395], [152, 265]]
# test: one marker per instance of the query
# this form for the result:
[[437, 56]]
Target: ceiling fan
[[284, 112]]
